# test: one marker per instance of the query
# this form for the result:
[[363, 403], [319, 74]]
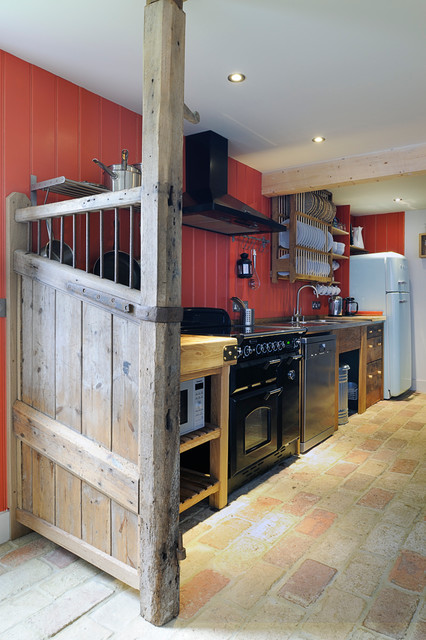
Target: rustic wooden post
[[162, 135]]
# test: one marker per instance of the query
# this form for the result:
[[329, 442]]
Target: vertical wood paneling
[[68, 502], [43, 119], [96, 518], [125, 538], [67, 129], [68, 360], [43, 355], [27, 340], [382, 232], [90, 135], [27, 477], [43, 487], [96, 377], [125, 389]]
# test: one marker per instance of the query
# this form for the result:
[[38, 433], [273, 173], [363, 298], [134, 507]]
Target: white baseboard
[[419, 386], [4, 526]]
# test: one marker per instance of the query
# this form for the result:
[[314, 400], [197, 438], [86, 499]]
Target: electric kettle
[[350, 306], [335, 306]]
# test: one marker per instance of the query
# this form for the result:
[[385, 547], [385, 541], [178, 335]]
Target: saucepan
[[121, 176], [55, 249]]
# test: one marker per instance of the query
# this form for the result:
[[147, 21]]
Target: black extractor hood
[[206, 202]]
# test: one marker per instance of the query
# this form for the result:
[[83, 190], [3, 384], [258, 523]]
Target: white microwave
[[192, 395]]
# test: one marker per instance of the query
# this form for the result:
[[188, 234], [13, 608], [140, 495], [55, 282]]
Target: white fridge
[[380, 282]]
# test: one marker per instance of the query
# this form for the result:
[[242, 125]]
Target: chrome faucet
[[296, 314]]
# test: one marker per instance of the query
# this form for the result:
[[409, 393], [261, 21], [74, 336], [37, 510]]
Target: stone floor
[[328, 546]]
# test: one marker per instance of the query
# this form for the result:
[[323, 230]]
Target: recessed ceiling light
[[397, 199], [318, 139], [236, 77]]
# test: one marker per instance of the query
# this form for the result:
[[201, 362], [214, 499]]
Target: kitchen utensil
[[121, 176], [52, 249], [335, 306], [123, 268], [246, 315], [350, 306], [254, 282]]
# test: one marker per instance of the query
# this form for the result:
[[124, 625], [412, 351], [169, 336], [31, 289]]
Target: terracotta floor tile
[[316, 523], [373, 467], [23, 554], [414, 425], [198, 591], [368, 428], [288, 551], [383, 455], [419, 631], [61, 557], [403, 465], [376, 498], [358, 482], [342, 469], [257, 509], [220, 536], [301, 503], [371, 444], [391, 613], [409, 571], [395, 443], [307, 583], [357, 456], [363, 573]]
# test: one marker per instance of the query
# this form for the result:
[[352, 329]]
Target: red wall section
[[383, 232], [50, 127]]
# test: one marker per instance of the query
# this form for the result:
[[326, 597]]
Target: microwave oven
[[192, 394]]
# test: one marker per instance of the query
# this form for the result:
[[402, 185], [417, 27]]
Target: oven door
[[254, 426]]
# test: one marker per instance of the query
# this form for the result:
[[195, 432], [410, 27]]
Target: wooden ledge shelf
[[199, 436], [194, 487]]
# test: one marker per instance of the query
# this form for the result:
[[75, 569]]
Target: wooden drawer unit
[[374, 349], [349, 339], [374, 382], [375, 330]]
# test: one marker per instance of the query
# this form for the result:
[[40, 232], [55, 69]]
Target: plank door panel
[[96, 374], [26, 499], [125, 391], [27, 340], [96, 518], [43, 359], [68, 502], [43, 487], [68, 360], [124, 527]]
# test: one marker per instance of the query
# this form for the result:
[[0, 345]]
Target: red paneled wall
[[50, 127], [384, 232]]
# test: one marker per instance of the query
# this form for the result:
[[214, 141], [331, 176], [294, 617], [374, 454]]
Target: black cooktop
[[216, 322]]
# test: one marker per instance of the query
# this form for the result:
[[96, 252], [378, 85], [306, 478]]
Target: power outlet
[[316, 304]]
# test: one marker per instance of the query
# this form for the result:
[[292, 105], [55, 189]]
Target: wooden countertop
[[202, 354]]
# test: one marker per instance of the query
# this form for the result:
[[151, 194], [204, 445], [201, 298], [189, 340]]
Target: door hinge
[[2, 307]]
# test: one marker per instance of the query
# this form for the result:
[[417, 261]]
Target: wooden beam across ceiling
[[371, 167]]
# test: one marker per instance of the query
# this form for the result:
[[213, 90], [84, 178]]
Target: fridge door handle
[[401, 301]]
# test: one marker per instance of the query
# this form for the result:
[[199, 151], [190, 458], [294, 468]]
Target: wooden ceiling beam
[[370, 167]]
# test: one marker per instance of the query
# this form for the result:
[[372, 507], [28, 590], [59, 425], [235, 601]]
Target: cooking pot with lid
[[121, 176]]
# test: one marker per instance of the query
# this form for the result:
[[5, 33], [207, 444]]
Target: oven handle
[[271, 362], [298, 357], [272, 393]]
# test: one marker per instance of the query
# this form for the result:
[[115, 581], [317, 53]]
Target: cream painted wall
[[415, 223]]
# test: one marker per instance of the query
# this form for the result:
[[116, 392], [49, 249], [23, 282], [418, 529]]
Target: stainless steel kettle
[[335, 306]]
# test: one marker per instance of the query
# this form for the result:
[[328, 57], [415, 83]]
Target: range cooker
[[264, 415]]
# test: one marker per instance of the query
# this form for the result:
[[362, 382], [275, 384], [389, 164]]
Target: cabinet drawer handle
[[379, 344], [370, 346], [370, 375], [379, 372]]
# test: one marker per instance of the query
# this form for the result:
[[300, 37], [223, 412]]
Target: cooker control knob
[[291, 375], [269, 346], [264, 347], [247, 351], [273, 346], [258, 349]]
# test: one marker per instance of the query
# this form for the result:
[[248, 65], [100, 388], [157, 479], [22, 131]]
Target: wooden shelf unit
[[299, 256]]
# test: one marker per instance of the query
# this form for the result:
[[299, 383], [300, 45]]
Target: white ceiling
[[350, 70]]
